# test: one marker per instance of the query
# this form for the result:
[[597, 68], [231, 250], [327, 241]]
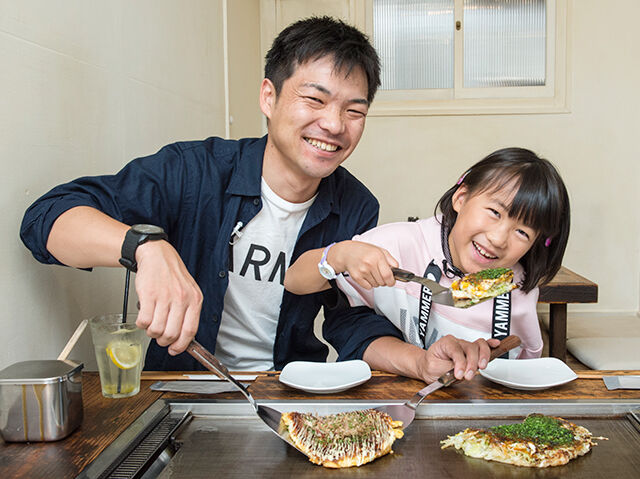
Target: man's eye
[[314, 99], [357, 113]]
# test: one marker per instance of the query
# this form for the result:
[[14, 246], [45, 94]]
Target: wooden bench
[[566, 287]]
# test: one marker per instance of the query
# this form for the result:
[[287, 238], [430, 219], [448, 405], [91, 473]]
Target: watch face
[[147, 229], [326, 271]]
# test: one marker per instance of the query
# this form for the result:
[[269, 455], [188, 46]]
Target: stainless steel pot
[[40, 400]]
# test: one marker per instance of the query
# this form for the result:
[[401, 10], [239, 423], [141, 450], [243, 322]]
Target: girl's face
[[484, 235]]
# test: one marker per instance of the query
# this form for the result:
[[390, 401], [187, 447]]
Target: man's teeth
[[483, 252], [321, 144]]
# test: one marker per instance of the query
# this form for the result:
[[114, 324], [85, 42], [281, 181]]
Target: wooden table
[[104, 419], [566, 287]]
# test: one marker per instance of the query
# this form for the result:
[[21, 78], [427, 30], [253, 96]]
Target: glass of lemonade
[[120, 350]]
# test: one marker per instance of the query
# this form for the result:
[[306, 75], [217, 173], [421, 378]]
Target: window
[[469, 56], [504, 43]]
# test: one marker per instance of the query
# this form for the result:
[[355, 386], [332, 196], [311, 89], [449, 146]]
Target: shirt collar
[[246, 179]]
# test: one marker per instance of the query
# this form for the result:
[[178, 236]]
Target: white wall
[[85, 87], [245, 68], [88, 85], [408, 162]]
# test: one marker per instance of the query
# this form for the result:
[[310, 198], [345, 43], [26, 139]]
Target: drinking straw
[[124, 316], [126, 296]]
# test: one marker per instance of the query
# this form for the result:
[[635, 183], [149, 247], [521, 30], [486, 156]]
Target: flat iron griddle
[[239, 446]]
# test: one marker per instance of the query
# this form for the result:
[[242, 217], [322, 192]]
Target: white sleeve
[[356, 294], [526, 324]]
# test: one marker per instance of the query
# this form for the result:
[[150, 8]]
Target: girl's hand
[[367, 264]]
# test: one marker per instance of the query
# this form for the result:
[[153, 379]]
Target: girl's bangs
[[533, 203]]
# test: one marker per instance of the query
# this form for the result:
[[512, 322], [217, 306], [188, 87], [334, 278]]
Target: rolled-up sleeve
[[140, 193], [350, 330]]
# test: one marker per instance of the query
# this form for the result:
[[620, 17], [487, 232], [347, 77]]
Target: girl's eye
[[524, 234], [495, 213]]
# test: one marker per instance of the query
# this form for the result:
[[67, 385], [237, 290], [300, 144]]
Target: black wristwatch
[[137, 235]]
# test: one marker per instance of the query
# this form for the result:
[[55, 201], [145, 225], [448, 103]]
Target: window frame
[[549, 98]]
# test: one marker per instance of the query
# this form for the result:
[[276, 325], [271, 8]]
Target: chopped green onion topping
[[536, 428]]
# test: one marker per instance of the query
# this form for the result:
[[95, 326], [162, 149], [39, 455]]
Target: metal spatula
[[407, 412], [439, 294], [270, 416]]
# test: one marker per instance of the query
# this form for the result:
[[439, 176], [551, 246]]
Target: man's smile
[[322, 145]]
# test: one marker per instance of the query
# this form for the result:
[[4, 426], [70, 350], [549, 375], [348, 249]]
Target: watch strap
[[132, 240], [326, 270]]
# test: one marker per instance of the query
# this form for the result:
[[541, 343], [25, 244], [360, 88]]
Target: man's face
[[316, 121]]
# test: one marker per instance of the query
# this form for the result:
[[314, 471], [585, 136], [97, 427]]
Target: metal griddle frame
[[142, 450]]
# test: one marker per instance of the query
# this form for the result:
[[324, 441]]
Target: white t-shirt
[[260, 257]]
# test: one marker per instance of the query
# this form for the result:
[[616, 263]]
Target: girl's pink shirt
[[415, 245]]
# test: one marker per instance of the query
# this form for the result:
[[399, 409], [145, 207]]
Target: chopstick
[[191, 375], [186, 375], [72, 341], [599, 374]]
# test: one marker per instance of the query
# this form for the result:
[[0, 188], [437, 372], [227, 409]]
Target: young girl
[[509, 210]]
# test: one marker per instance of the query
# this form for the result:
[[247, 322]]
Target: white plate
[[325, 378], [528, 374]]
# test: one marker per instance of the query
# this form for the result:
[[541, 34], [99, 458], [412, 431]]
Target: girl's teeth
[[322, 145], [482, 251]]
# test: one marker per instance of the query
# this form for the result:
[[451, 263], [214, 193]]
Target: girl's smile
[[483, 252], [484, 235]]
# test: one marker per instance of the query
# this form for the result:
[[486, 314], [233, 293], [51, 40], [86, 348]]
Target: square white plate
[[325, 378], [529, 374]]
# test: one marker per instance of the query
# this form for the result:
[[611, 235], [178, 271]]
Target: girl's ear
[[459, 197], [267, 97]]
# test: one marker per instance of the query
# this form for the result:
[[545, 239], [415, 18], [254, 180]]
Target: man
[[236, 213]]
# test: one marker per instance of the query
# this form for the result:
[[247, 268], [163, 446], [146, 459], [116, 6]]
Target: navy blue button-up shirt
[[198, 191]]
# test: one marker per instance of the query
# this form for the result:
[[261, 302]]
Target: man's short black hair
[[316, 37]]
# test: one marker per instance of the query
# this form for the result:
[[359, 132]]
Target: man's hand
[[170, 299], [395, 356], [463, 357]]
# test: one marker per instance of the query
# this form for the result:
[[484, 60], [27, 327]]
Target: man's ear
[[267, 97], [459, 197]]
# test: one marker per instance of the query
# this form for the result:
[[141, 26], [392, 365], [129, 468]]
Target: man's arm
[[84, 237], [394, 355], [83, 224], [350, 330], [359, 333], [170, 299]]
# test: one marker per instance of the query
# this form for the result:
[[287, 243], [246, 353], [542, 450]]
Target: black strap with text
[[501, 324]]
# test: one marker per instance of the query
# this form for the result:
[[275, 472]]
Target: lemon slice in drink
[[123, 354]]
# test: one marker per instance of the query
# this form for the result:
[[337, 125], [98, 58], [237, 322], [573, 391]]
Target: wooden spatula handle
[[507, 344]]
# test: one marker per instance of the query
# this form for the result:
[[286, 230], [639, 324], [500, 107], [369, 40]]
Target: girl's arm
[[367, 264]]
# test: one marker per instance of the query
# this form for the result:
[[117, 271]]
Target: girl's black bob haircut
[[541, 202], [316, 37]]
